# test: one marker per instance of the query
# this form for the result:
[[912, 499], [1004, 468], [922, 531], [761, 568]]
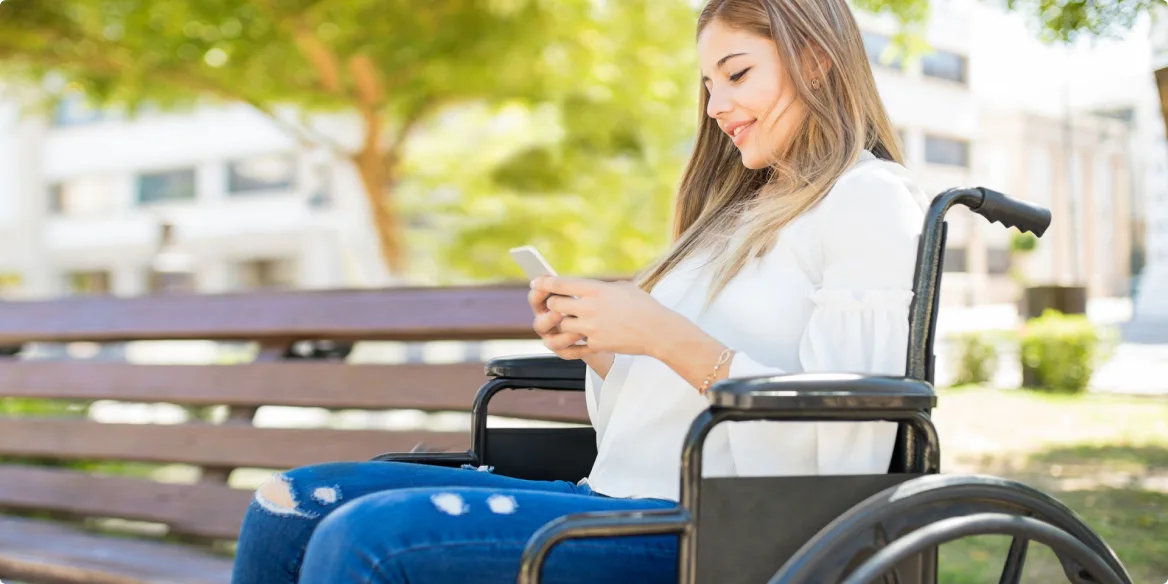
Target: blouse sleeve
[[593, 383], [866, 234]]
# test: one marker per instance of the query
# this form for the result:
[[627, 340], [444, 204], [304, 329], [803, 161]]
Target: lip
[[731, 127]]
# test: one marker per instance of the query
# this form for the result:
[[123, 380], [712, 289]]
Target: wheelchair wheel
[[901, 522]]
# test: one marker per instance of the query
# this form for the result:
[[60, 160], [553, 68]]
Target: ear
[[815, 64]]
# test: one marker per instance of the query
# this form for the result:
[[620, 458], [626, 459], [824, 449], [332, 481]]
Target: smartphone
[[533, 263]]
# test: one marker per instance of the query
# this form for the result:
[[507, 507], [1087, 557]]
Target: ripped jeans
[[388, 522]]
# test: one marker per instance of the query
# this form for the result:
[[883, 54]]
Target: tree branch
[[302, 132], [323, 60], [107, 62], [399, 136]]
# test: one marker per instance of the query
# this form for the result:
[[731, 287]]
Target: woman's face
[[751, 97]]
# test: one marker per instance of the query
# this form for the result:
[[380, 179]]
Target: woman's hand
[[617, 317], [621, 318], [547, 326]]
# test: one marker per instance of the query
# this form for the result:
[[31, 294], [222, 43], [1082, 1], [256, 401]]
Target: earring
[[815, 83]]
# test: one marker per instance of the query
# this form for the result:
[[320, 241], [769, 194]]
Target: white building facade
[[84, 199]]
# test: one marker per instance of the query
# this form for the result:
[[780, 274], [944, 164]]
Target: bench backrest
[[203, 503]]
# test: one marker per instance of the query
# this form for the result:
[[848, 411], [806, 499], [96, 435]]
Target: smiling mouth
[[739, 132]]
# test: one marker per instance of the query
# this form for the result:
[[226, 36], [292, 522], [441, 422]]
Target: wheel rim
[[1022, 528], [883, 518]]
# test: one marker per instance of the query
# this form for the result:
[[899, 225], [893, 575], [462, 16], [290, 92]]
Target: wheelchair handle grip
[[1011, 212]]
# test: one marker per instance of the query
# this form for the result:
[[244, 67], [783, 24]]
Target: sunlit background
[[323, 144]]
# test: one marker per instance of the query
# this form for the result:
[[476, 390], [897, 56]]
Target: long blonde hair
[[734, 212]]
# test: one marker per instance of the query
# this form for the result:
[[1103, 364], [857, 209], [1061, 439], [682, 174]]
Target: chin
[[752, 160]]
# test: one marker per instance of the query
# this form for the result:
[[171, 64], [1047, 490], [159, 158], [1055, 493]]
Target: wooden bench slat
[[227, 445], [32, 550], [404, 314], [205, 509], [289, 383]]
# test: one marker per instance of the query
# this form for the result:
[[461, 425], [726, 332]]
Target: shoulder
[[871, 189], [871, 219]]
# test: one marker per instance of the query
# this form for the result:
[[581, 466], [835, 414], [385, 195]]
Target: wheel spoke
[[1015, 559], [882, 539]]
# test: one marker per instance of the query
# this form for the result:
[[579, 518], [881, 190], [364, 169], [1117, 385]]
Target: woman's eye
[[738, 76]]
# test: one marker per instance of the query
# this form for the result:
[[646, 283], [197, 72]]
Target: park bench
[[59, 524]]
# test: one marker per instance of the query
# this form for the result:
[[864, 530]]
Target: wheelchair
[[805, 529]]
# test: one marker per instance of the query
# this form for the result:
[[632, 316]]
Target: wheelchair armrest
[[822, 394], [549, 367], [451, 459], [596, 524]]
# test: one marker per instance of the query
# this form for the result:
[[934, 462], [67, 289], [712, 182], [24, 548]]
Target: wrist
[[680, 339]]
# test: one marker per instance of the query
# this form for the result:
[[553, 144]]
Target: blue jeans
[[383, 522]]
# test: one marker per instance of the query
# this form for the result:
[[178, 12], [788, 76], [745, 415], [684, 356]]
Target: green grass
[[1104, 457]]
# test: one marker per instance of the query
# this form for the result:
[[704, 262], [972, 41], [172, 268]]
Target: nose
[[718, 105]]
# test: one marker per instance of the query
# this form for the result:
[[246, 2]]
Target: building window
[[88, 282], [321, 196], [171, 185], [880, 50], [74, 110], [954, 260], [266, 273], [946, 151], [261, 173], [83, 196], [945, 65], [997, 261]]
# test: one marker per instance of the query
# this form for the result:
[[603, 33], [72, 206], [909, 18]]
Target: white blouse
[[832, 295]]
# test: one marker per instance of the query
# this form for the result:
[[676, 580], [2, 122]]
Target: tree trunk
[[377, 172]]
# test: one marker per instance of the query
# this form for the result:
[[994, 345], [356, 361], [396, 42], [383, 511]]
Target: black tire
[[845, 544]]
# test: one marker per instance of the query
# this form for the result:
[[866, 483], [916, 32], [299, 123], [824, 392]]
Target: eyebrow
[[721, 62]]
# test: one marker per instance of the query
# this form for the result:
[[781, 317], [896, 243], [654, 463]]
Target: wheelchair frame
[[889, 525]]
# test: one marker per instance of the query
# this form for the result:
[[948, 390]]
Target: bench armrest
[[822, 394], [541, 367]]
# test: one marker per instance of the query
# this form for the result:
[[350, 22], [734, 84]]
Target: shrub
[[976, 358], [1059, 352]]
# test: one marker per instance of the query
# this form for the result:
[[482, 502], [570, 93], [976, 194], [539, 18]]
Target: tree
[[600, 98], [394, 64]]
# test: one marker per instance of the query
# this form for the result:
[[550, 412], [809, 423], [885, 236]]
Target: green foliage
[[15, 407], [1022, 242], [1059, 352], [18, 407], [1065, 20], [977, 358]]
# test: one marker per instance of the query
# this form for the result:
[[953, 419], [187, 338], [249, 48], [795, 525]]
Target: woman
[[795, 243]]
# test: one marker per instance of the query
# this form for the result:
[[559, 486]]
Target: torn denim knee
[[323, 495], [480, 468]]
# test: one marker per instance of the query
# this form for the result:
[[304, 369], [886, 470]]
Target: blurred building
[[1150, 320], [86, 195], [1042, 123]]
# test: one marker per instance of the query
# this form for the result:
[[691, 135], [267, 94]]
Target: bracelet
[[722, 359]]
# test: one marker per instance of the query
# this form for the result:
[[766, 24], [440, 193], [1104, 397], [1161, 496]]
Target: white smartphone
[[533, 263]]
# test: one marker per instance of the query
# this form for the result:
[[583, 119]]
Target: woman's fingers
[[560, 341], [536, 298], [547, 323], [572, 324], [575, 352]]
